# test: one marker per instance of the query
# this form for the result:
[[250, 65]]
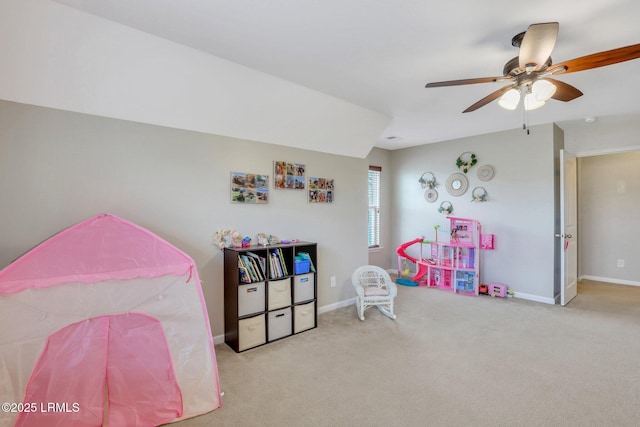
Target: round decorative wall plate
[[431, 195], [457, 184], [485, 173]]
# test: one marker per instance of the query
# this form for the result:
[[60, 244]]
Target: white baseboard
[[535, 298], [609, 280], [219, 339], [331, 307]]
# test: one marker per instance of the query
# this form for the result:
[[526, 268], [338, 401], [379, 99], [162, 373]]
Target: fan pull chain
[[525, 119]]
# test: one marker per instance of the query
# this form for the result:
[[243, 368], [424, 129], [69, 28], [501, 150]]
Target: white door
[[568, 228]]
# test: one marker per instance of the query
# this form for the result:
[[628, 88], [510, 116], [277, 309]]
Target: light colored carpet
[[447, 360]]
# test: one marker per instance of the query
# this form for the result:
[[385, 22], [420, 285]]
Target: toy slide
[[401, 251], [422, 271]]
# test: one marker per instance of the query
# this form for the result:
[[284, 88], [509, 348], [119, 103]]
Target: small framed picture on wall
[[249, 188], [321, 190], [288, 176]]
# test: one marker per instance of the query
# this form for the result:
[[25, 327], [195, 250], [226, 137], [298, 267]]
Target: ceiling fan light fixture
[[510, 99], [531, 102], [543, 89]]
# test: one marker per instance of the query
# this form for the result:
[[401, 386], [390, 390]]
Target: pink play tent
[[104, 324]]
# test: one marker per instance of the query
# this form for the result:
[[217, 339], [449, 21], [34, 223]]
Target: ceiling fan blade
[[468, 81], [564, 92], [599, 59], [487, 99], [537, 44]]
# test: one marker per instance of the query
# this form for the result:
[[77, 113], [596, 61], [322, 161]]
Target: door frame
[[568, 236], [580, 154]]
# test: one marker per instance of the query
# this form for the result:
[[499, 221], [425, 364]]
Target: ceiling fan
[[529, 73]]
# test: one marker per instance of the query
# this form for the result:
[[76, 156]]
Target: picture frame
[[249, 188], [321, 190], [288, 176]]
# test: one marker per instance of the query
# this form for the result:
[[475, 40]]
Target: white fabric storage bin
[[250, 298], [279, 293], [251, 332], [304, 317], [303, 287], [279, 323]]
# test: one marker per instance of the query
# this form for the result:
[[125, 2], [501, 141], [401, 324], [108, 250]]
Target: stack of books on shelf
[[278, 267], [251, 267]]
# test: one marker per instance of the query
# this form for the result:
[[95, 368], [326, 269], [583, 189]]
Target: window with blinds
[[374, 206]]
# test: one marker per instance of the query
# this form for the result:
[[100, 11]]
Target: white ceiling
[[380, 54]]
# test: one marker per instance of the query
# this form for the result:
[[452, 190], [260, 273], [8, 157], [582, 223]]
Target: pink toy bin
[[498, 290]]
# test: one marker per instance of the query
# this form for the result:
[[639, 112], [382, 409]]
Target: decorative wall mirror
[[457, 184]]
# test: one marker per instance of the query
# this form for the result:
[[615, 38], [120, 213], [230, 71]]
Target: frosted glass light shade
[[531, 102], [510, 99], [543, 89]]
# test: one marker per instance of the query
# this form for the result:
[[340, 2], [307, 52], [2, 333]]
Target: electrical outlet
[[620, 263], [333, 281]]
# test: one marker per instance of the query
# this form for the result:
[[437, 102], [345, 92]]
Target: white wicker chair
[[374, 288]]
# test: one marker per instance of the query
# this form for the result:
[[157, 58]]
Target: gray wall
[[606, 134], [520, 210], [58, 168], [608, 200]]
